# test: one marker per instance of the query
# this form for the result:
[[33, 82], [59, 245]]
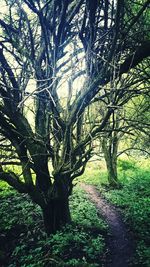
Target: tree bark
[[110, 148], [111, 164], [56, 214]]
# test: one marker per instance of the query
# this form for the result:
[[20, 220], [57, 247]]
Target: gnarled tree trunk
[[56, 214]]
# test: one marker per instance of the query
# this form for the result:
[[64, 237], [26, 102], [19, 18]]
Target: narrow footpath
[[120, 243]]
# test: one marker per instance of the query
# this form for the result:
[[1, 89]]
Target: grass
[[133, 199], [24, 243]]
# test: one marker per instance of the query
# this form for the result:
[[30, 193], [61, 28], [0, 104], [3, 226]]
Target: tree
[[68, 50], [128, 125], [130, 24], [130, 134]]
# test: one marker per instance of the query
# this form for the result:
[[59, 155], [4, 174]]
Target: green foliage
[[134, 199], [21, 226], [20, 210], [78, 243], [143, 252], [94, 176], [84, 212], [126, 164], [5, 189]]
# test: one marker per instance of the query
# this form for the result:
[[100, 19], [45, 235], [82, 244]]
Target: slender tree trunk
[[111, 164], [110, 154], [56, 214]]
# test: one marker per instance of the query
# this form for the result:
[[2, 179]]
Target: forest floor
[[99, 235], [119, 242], [23, 242]]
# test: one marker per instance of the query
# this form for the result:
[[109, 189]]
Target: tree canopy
[[57, 59]]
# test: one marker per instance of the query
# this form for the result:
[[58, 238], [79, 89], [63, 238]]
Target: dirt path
[[120, 244]]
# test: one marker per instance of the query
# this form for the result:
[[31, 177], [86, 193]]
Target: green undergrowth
[[23, 241], [94, 176], [133, 199]]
